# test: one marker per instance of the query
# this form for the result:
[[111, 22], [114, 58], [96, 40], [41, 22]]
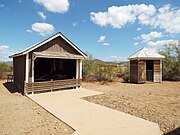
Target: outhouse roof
[[145, 53]]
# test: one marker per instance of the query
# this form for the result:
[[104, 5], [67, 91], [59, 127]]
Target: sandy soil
[[21, 116], [156, 102]]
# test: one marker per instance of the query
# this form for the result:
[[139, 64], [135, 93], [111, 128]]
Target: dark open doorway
[[46, 69], [149, 70]]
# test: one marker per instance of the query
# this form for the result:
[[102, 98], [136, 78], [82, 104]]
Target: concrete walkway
[[92, 119]]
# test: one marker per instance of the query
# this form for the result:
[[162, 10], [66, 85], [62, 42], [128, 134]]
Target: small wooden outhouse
[[145, 66], [52, 64]]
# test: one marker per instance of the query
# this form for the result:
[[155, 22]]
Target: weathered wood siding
[[57, 45], [142, 71], [51, 85], [157, 76], [134, 71], [19, 72]]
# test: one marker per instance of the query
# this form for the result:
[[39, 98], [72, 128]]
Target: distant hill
[[112, 62]]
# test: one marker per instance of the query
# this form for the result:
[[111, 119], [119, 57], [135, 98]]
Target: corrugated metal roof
[[145, 53]]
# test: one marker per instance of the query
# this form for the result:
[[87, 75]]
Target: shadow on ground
[[174, 132], [11, 87]]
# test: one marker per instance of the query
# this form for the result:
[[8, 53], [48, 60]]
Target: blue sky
[[111, 30]]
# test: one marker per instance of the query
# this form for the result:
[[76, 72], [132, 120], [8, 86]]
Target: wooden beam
[[27, 68]]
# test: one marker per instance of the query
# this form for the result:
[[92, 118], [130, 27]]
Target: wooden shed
[[55, 63], [145, 66]]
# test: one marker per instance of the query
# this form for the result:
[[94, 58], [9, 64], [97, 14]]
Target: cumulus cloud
[[102, 40], [151, 36], [118, 16], [43, 28], [55, 6], [42, 15], [160, 43], [5, 52], [165, 17]]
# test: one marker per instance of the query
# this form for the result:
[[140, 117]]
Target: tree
[[5, 69], [171, 62]]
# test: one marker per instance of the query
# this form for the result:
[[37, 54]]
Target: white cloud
[[43, 28], [136, 43], [101, 39], [169, 19], [75, 24], [55, 6], [117, 17], [160, 43], [151, 36], [138, 29], [42, 15], [5, 52], [30, 31], [166, 17], [106, 44]]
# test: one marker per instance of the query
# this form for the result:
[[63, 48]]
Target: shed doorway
[[47, 69], [149, 70]]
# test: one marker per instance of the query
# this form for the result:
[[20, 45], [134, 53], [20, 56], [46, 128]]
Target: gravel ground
[[21, 116], [156, 102]]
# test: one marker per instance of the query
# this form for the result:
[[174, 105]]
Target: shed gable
[[57, 45]]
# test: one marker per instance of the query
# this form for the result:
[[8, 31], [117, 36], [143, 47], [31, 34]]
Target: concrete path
[[89, 118]]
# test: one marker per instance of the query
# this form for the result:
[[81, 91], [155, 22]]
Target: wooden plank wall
[[19, 66], [134, 71], [157, 71], [57, 45], [51, 85], [142, 71]]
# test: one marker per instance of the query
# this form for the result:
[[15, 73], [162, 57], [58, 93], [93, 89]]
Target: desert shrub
[[125, 75], [104, 72], [171, 62], [5, 69], [95, 70]]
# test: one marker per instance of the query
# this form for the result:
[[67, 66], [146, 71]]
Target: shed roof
[[145, 53], [27, 50]]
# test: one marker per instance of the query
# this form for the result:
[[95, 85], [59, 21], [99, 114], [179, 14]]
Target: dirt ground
[[21, 116], [156, 102]]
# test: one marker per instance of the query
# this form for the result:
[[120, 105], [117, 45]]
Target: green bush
[[171, 62], [5, 69]]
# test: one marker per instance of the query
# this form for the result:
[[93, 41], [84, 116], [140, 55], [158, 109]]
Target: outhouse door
[[149, 70]]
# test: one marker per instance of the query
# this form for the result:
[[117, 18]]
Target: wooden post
[[32, 88], [51, 85], [160, 70], [25, 88]]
